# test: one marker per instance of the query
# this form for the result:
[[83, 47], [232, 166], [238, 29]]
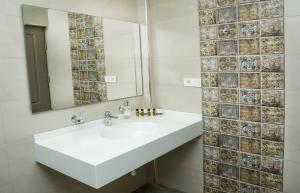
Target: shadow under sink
[[156, 189]]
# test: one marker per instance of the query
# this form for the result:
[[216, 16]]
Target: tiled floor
[[156, 189]]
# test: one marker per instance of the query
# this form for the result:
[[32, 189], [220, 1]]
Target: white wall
[[18, 171], [292, 97], [175, 55], [59, 60]]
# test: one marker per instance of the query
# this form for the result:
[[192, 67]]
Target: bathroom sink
[[96, 155], [130, 130]]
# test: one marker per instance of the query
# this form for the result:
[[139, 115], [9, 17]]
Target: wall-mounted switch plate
[[111, 79], [192, 82]]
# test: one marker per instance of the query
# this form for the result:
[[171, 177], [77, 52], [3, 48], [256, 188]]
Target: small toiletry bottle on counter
[[149, 112], [137, 112], [142, 112], [153, 112]]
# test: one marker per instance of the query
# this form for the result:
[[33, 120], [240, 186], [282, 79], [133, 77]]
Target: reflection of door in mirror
[[37, 68]]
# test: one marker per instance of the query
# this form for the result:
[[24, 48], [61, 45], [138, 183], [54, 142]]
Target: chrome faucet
[[108, 118], [77, 119]]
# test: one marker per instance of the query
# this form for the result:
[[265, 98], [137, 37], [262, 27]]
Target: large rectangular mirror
[[77, 59]]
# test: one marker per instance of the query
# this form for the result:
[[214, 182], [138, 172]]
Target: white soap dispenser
[[125, 108]]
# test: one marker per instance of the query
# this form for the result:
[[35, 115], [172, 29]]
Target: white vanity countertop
[[84, 144]]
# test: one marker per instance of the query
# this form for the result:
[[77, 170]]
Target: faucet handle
[[109, 115]]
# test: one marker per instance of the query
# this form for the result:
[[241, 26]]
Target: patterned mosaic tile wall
[[242, 61], [88, 61]]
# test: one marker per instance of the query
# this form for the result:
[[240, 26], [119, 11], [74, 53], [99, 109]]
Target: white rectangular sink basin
[[97, 155]]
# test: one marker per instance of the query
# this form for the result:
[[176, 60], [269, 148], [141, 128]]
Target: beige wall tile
[[15, 86], [292, 95], [5, 176], [292, 8], [11, 39], [177, 98], [182, 168], [291, 177]]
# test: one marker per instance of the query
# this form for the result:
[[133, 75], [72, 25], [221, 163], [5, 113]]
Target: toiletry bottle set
[[147, 112]]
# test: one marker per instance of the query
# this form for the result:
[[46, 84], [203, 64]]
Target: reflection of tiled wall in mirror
[[242, 61], [88, 60]]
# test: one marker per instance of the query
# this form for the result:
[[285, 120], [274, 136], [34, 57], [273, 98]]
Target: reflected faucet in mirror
[[77, 119]]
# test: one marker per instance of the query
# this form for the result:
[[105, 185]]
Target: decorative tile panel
[[229, 185], [246, 188], [227, 31], [250, 176], [250, 161], [250, 97], [273, 115], [250, 63], [87, 49], [242, 57], [227, 48], [248, 12], [225, 3], [272, 165], [204, 4], [249, 29], [272, 45], [207, 17], [211, 181], [272, 63], [211, 153], [252, 130], [273, 98], [250, 80], [249, 46], [229, 171], [229, 142], [208, 33], [211, 138], [229, 111], [271, 181], [272, 27], [209, 79], [229, 95], [228, 80], [272, 149], [229, 157], [211, 109], [226, 15], [273, 80], [250, 113], [273, 132], [250, 145], [228, 64], [209, 64], [211, 167], [210, 94], [211, 124], [230, 127]]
